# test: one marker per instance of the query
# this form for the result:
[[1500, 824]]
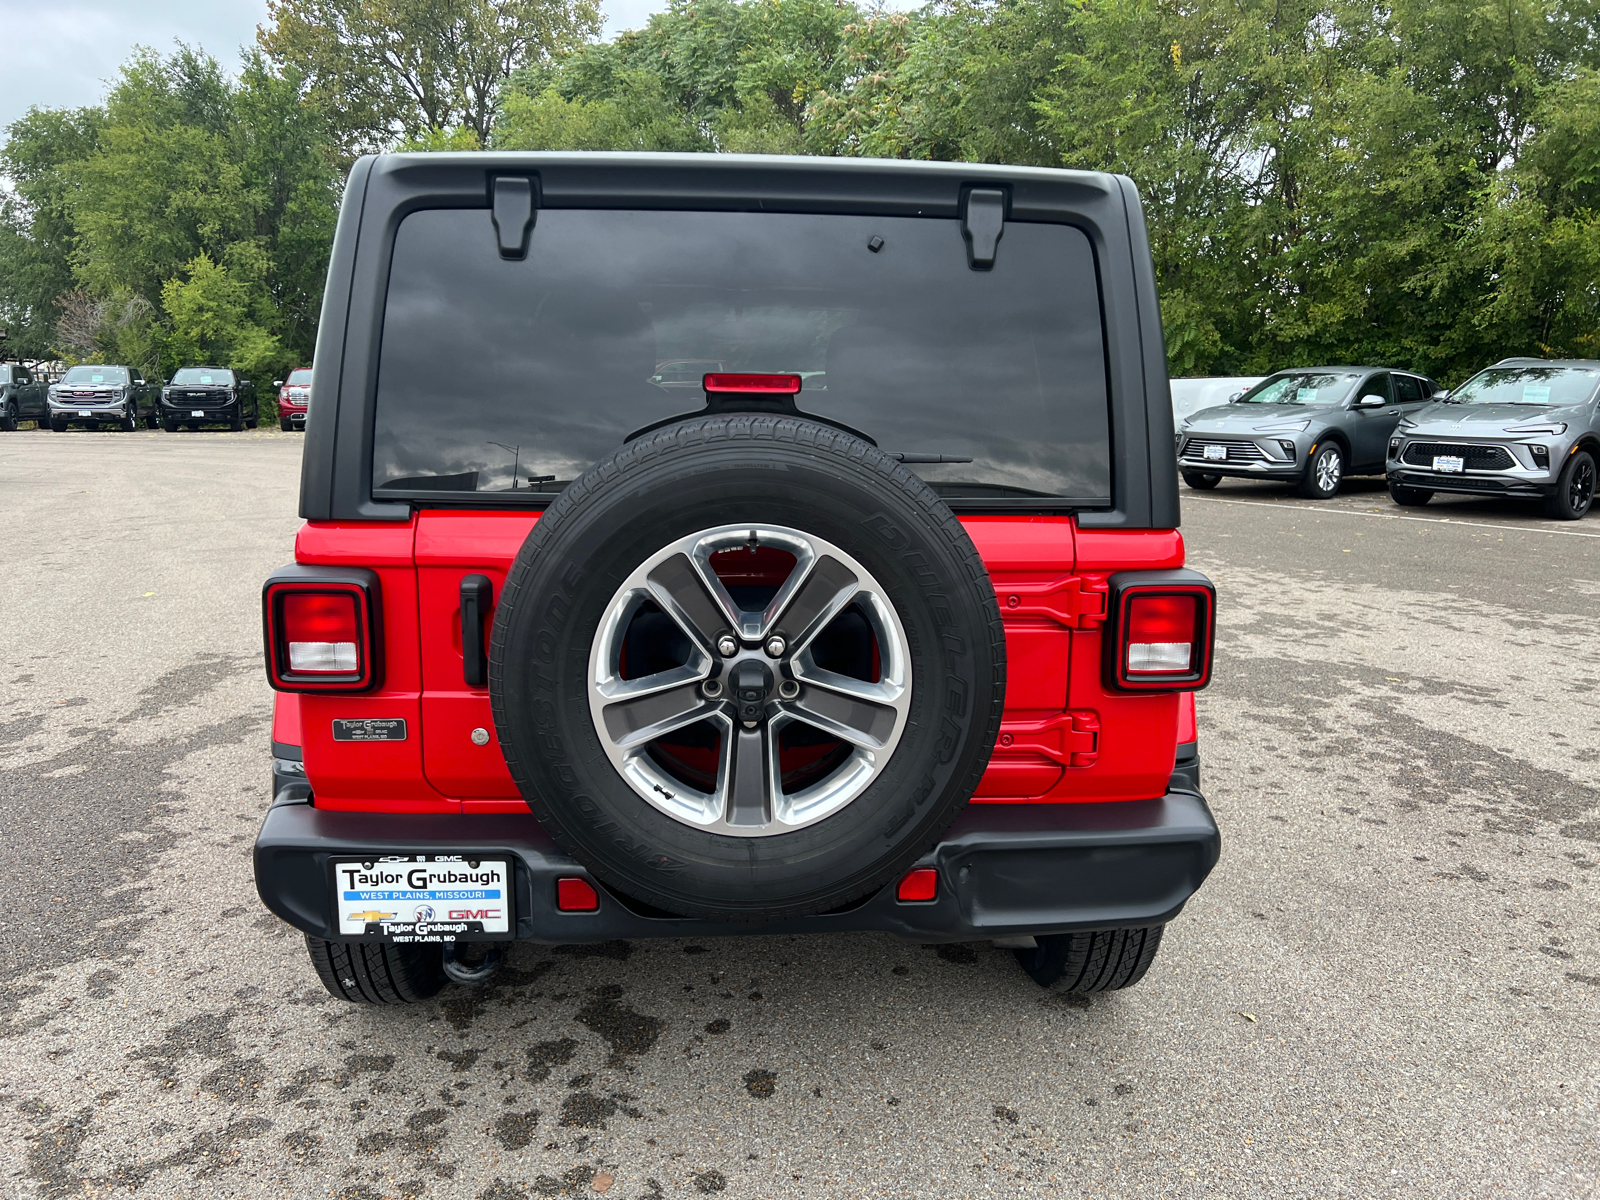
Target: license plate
[[84, 412], [423, 898], [1216, 454], [1449, 464], [197, 413]]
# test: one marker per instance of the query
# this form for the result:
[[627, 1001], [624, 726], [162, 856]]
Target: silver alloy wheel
[[752, 696], [1329, 467]]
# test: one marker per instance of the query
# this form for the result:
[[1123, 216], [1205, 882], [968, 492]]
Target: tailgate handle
[[477, 594]]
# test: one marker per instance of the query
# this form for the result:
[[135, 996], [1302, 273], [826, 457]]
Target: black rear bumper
[[1005, 870]]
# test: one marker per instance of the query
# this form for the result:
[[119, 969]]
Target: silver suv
[[1310, 427], [1525, 427]]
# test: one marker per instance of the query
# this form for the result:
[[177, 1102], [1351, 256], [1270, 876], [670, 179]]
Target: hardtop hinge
[[1070, 738], [515, 204], [1076, 602]]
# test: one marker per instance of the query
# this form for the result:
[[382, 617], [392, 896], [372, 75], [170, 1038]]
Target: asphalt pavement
[[1389, 986]]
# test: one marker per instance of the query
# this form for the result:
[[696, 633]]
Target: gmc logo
[[474, 914]]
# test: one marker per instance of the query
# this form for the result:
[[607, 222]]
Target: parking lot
[[1389, 986]]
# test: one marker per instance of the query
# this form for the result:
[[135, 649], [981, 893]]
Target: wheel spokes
[[857, 712], [689, 599], [827, 589], [641, 713], [746, 779]]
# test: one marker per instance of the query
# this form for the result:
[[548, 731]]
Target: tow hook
[[473, 974]]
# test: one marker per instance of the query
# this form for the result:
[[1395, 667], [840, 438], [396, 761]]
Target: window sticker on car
[[370, 729], [1305, 395], [1449, 464], [1535, 395]]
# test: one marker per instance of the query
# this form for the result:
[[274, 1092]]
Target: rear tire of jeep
[[1201, 481], [673, 487], [377, 973], [1080, 963]]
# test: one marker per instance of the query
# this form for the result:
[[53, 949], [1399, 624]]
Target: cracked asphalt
[[1389, 986]]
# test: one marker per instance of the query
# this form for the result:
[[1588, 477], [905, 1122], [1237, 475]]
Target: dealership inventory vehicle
[[1310, 427], [294, 399], [199, 396], [883, 626], [1525, 427], [96, 395], [23, 397]]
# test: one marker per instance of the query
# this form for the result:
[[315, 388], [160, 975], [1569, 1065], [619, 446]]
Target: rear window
[[544, 366]]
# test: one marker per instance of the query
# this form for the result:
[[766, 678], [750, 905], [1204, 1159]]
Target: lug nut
[[788, 689], [776, 646], [726, 646], [711, 687]]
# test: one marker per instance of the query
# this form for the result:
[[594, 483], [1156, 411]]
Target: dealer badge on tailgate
[[422, 898]]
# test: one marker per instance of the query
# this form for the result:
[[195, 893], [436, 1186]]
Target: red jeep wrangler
[[883, 626]]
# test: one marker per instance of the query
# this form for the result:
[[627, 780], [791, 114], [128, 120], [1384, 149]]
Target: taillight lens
[[322, 632], [1161, 634], [320, 637]]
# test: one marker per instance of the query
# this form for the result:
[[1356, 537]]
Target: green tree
[[387, 71]]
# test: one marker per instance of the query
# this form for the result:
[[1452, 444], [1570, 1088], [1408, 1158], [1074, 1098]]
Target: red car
[[885, 627], [294, 399]]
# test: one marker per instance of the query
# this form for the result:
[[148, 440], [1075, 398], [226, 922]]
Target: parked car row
[[105, 395], [1524, 427]]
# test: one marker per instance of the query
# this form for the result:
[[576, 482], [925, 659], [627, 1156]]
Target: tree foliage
[[388, 71], [1324, 181], [186, 218]]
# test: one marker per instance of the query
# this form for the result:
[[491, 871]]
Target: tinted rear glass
[[550, 363]]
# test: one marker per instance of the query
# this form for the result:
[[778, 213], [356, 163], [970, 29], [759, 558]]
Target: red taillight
[[320, 636], [322, 633], [576, 895], [918, 886], [1161, 634], [769, 385]]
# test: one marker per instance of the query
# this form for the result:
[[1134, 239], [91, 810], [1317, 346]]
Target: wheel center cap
[[750, 683]]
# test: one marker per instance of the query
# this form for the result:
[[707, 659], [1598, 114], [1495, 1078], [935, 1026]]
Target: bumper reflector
[[576, 895], [918, 886]]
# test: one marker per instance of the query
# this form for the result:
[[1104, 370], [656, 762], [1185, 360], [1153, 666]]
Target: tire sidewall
[[567, 576]]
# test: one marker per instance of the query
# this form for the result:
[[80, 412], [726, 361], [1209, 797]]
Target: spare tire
[[747, 668]]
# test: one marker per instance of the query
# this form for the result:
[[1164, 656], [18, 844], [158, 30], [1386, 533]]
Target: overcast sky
[[61, 52]]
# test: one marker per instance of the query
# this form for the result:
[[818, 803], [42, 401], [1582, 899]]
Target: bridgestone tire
[[697, 475], [377, 973], [1079, 963], [1201, 481]]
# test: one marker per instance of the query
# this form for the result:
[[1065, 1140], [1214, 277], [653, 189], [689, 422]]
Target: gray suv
[[1525, 427], [1310, 427]]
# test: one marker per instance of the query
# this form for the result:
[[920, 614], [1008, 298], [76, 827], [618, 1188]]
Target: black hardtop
[[336, 479]]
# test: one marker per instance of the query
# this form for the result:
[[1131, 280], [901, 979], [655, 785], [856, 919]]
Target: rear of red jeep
[[885, 626]]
